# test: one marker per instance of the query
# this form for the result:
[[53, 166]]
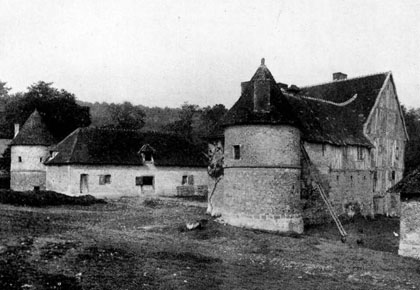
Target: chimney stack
[[337, 76], [16, 130]]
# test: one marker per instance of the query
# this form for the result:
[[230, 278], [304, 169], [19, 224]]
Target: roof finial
[[263, 61]]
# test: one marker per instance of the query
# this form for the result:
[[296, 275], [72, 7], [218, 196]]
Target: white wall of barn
[[66, 179]]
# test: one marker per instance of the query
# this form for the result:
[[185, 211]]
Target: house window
[[188, 179], [184, 179], [145, 180], [104, 179], [359, 153], [236, 152], [20, 158]]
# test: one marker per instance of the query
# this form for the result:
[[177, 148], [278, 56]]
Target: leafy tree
[[412, 148], [59, 109], [4, 91], [126, 116], [184, 126], [210, 119]]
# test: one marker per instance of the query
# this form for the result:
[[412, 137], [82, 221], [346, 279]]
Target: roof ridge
[[111, 129], [342, 104], [344, 80], [76, 139]]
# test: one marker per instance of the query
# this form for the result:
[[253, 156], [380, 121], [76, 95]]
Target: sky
[[165, 53]]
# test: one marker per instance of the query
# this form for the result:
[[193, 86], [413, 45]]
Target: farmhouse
[[109, 163], [347, 135], [106, 162]]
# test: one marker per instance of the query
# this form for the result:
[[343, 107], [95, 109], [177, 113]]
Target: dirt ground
[[133, 244]]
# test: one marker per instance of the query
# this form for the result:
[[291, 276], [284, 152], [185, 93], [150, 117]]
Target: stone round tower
[[29, 151], [262, 165]]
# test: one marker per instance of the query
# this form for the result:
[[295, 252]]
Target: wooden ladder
[[327, 202]]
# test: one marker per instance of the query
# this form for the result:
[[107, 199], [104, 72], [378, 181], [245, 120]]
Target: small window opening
[[359, 153], [20, 158], [145, 180], [236, 152], [40, 159], [338, 177], [324, 148], [104, 179], [397, 153], [393, 175], [184, 179]]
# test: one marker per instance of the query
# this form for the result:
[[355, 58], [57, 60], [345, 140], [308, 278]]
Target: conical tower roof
[[34, 132], [279, 111]]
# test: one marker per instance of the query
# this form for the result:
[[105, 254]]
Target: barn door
[[84, 183]]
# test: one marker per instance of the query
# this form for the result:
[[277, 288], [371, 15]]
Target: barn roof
[[34, 132], [94, 146], [333, 112]]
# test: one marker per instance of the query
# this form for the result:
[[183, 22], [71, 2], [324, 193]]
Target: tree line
[[63, 113]]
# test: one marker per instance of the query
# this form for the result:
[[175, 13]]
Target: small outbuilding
[[110, 163], [409, 190]]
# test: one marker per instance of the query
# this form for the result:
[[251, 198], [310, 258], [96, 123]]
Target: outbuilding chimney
[[16, 129], [339, 76], [262, 86]]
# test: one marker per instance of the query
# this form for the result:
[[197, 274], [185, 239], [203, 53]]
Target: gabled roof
[[333, 112], [242, 112], [34, 132], [94, 146]]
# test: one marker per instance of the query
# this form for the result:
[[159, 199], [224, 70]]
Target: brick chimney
[[339, 76]]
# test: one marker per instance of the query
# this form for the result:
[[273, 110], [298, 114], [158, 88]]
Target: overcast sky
[[163, 53]]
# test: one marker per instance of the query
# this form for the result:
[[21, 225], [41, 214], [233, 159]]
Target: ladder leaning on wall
[[324, 196]]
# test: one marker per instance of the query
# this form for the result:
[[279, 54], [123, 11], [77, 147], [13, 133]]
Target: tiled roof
[[34, 132], [336, 112], [333, 112], [243, 112], [96, 146]]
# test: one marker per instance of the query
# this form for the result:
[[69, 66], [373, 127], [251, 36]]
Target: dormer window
[[148, 156], [147, 153]]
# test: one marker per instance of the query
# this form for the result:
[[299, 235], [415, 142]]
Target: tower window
[[359, 153], [236, 152], [393, 175], [20, 158]]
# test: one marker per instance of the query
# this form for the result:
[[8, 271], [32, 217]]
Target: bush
[[45, 198]]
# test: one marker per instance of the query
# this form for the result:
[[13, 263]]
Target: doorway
[[84, 188]]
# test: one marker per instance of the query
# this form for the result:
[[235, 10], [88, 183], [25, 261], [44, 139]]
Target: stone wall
[[261, 189], [66, 179], [24, 181], [27, 168], [345, 178], [410, 229]]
